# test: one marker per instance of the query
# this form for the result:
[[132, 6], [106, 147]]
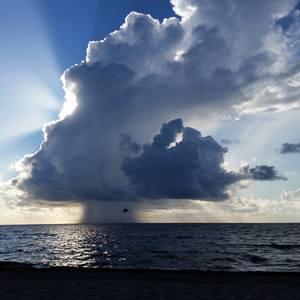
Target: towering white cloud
[[216, 58]]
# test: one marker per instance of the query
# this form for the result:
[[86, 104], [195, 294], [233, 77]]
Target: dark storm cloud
[[262, 173], [143, 75], [190, 169], [128, 146], [289, 148]]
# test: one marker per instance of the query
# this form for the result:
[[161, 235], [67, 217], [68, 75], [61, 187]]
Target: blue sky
[[72, 24]]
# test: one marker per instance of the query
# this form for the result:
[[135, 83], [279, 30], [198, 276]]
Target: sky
[[53, 35], [180, 111]]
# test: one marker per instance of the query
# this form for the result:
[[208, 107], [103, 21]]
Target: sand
[[26, 283]]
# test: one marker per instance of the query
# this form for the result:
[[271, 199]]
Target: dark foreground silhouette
[[68, 283]]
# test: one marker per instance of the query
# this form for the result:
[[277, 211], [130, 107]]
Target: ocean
[[203, 247]]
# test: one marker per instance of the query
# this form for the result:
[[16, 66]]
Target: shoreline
[[83, 283], [28, 267]]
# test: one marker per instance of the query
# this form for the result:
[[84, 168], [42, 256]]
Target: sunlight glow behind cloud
[[70, 102]]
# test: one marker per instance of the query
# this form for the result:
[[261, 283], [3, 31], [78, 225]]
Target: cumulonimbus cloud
[[213, 59]]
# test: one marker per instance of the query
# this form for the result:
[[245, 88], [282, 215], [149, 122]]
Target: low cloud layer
[[212, 60]]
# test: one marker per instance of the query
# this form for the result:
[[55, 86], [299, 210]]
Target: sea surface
[[204, 247]]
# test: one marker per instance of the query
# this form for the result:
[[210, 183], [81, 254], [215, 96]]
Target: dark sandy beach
[[27, 283]]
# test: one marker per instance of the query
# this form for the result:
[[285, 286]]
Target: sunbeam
[[29, 79]]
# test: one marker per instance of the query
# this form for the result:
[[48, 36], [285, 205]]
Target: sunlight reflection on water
[[231, 247]]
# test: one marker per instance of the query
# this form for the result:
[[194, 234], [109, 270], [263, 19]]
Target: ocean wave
[[202, 247], [256, 259], [284, 246], [184, 237], [225, 259]]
